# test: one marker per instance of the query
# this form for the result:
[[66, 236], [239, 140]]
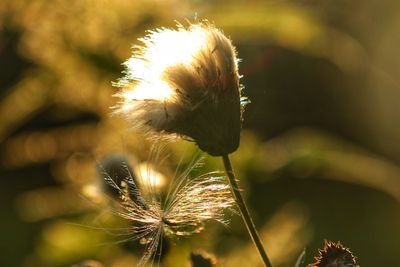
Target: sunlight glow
[[162, 49], [149, 177]]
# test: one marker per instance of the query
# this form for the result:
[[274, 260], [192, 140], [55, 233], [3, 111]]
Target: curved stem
[[244, 211]]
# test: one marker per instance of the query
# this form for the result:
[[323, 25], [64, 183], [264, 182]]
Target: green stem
[[244, 211]]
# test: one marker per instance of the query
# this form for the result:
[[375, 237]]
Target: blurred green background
[[320, 151]]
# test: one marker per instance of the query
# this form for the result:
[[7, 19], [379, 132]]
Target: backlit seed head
[[189, 204], [185, 81]]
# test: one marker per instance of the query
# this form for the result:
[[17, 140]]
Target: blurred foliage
[[201, 259], [320, 150]]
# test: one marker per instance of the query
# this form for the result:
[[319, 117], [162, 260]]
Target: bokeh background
[[320, 151]]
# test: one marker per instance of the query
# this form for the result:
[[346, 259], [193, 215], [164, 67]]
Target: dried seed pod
[[334, 255]]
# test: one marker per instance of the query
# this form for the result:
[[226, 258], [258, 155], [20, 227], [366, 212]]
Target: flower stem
[[244, 211]]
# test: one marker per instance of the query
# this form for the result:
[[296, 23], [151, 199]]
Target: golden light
[[149, 177], [93, 193], [156, 89], [162, 49]]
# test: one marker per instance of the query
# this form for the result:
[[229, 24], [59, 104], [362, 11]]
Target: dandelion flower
[[185, 81], [189, 204]]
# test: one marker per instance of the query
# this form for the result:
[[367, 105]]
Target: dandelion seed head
[[185, 81]]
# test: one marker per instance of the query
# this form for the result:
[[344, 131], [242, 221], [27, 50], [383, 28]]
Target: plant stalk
[[244, 211]]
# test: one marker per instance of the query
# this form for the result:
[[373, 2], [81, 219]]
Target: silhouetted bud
[[334, 255]]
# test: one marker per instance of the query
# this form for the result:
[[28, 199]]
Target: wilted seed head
[[186, 81], [334, 255], [184, 211]]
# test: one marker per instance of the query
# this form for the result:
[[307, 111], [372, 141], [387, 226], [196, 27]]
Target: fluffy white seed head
[[185, 81]]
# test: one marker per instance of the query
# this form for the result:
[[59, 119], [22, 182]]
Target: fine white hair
[[184, 81]]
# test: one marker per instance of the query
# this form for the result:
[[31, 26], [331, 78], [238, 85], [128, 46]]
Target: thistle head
[[334, 255], [185, 81]]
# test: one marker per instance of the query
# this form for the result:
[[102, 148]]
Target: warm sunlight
[[137, 133], [163, 48], [149, 177]]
